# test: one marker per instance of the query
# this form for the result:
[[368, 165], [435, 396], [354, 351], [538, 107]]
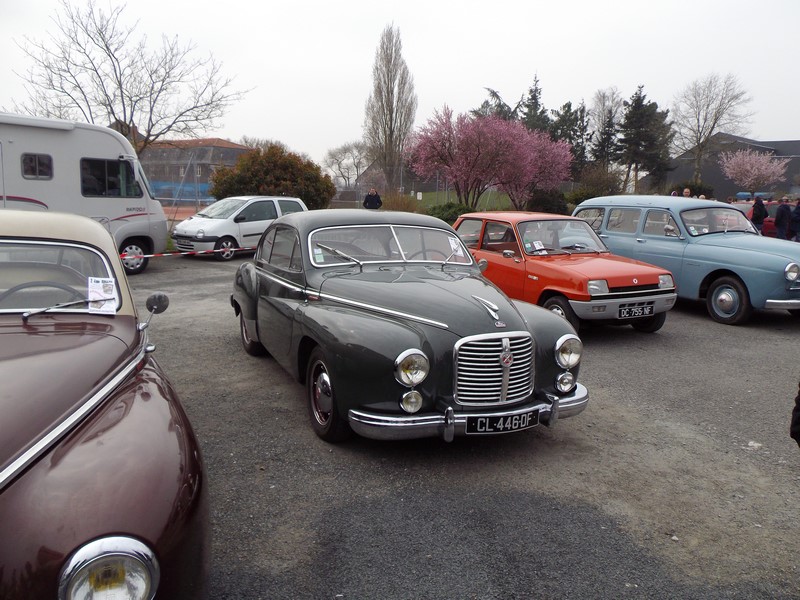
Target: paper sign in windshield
[[102, 295]]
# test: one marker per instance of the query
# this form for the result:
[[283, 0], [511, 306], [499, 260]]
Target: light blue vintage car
[[713, 250]]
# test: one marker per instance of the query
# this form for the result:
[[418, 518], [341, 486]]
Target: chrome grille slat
[[481, 378]]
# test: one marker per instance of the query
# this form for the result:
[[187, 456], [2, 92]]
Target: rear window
[[289, 206], [623, 220]]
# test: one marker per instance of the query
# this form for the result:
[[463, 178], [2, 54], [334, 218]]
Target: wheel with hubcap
[[134, 261], [251, 346], [560, 306], [728, 302], [326, 420], [650, 324], [225, 248]]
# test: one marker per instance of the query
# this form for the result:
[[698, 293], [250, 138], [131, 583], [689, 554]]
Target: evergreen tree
[[604, 141], [644, 138], [533, 114], [572, 126]]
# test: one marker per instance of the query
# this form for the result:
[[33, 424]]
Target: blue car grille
[[482, 378]]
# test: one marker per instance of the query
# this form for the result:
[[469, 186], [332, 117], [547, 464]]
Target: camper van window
[[100, 177], [37, 166]]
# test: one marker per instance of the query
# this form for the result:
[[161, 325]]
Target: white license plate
[[635, 311], [486, 425]]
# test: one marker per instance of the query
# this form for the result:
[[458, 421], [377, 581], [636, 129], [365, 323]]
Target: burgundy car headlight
[[113, 567]]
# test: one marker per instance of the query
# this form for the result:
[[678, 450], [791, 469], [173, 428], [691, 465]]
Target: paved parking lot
[[678, 481]]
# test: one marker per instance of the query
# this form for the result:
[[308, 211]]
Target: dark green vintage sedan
[[388, 321]]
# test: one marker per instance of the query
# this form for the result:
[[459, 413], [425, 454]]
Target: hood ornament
[[490, 307]]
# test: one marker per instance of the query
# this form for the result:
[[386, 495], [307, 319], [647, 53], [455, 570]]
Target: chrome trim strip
[[32, 453], [782, 304], [380, 309], [281, 281], [643, 293]]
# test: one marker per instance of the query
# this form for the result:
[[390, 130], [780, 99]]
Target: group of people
[[787, 220]]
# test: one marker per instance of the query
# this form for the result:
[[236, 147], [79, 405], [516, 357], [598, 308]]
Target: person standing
[[687, 192], [759, 213], [782, 217], [372, 200], [794, 223]]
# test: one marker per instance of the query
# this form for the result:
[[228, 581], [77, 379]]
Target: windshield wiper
[[29, 313], [341, 254], [580, 247]]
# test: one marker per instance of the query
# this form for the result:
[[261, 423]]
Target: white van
[[49, 164]]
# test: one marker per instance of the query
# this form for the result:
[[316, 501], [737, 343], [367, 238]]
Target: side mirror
[[483, 264], [239, 218], [508, 254], [670, 231], [156, 304]]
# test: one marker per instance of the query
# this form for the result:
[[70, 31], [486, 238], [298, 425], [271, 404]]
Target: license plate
[[635, 311], [484, 425]]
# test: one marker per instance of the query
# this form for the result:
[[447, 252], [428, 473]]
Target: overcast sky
[[308, 65]]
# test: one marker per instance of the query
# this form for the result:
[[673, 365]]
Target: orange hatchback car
[[558, 262]]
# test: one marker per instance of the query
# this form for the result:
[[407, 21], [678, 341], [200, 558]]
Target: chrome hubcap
[[322, 395], [726, 301]]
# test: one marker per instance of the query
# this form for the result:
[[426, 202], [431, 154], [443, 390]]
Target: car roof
[[249, 198], [670, 202], [63, 227], [517, 216], [308, 221]]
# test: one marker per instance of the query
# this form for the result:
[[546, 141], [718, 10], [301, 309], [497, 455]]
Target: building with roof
[[711, 173], [180, 170]]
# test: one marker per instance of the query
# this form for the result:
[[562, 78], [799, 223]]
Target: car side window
[[289, 206], [623, 220], [259, 211], [498, 237], [469, 230], [265, 247], [593, 216], [284, 248], [659, 222]]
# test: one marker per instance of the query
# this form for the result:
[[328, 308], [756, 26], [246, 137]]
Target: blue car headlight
[[791, 272]]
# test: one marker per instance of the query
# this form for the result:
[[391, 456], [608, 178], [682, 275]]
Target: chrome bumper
[[782, 304], [451, 424], [609, 309]]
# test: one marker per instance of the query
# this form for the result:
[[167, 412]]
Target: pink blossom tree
[[475, 153], [752, 170]]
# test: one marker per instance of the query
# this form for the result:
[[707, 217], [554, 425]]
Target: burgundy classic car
[[102, 485]]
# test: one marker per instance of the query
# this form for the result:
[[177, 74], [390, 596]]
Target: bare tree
[[703, 108], [261, 143], [92, 69], [391, 107], [347, 162]]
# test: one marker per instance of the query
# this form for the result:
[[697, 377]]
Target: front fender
[[245, 291]]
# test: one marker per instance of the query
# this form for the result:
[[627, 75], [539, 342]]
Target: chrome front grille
[[482, 378]]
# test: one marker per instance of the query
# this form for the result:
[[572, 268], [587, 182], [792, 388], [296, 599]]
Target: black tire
[[251, 346], [133, 263], [326, 421], [224, 249], [650, 324], [728, 302], [560, 306]]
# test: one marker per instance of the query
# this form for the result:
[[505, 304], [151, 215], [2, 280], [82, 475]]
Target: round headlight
[[411, 367], [114, 567], [568, 351], [565, 382], [411, 402], [791, 272]]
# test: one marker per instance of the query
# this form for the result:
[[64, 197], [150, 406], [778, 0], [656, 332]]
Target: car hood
[[449, 297], [619, 271], [49, 368], [194, 223], [748, 241]]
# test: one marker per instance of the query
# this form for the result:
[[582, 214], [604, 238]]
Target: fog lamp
[[411, 402], [565, 382]]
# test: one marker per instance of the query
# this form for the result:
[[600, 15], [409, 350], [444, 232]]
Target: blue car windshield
[[385, 243], [703, 221]]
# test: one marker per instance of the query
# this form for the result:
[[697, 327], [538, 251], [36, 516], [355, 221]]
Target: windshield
[[560, 236], [41, 275], [385, 243], [702, 221], [222, 209]]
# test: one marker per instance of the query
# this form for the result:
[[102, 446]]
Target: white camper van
[[49, 164]]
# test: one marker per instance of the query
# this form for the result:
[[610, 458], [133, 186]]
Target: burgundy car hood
[[51, 366], [448, 297]]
